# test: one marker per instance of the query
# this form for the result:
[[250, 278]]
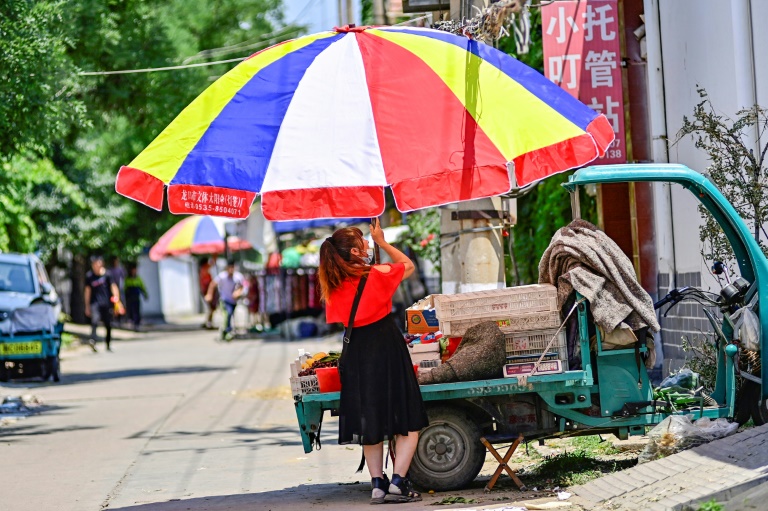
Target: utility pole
[[341, 12], [350, 13], [378, 12]]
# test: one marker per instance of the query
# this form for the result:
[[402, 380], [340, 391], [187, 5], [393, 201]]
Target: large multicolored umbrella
[[195, 235], [320, 125]]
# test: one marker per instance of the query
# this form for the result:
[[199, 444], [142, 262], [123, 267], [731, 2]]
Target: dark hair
[[230, 262], [96, 258], [337, 262]]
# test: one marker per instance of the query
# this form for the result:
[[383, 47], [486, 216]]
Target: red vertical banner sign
[[582, 54]]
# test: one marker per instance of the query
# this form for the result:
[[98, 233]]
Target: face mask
[[368, 258]]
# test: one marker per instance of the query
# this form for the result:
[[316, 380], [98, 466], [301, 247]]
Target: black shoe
[[401, 490], [379, 488], [92, 344]]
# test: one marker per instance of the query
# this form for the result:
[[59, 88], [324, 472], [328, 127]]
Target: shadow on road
[[251, 437], [74, 378], [322, 496], [16, 432]]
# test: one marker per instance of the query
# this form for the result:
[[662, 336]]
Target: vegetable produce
[[319, 361]]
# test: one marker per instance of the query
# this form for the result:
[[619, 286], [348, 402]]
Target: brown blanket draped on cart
[[583, 258], [480, 356]]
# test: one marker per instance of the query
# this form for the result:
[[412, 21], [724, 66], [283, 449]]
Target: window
[[16, 278], [42, 275]]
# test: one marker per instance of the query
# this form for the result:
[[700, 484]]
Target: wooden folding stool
[[503, 463]]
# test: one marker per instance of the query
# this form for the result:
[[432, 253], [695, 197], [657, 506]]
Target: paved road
[[176, 421], [180, 417]]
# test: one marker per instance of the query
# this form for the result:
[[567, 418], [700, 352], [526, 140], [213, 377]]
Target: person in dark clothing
[[380, 397], [134, 290], [101, 296]]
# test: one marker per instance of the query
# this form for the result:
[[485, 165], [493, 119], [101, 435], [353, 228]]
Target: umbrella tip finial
[[349, 28]]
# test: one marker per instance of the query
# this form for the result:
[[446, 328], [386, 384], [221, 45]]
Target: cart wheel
[[758, 406], [748, 393], [449, 454], [45, 369]]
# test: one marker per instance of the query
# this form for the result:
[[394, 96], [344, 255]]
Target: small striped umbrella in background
[[195, 235], [320, 125]]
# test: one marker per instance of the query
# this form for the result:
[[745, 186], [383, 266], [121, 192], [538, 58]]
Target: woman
[[205, 282], [380, 397]]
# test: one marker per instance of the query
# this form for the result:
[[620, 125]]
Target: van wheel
[[54, 368], [449, 454]]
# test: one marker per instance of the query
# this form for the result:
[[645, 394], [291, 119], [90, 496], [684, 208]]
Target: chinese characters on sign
[[210, 201], [582, 55]]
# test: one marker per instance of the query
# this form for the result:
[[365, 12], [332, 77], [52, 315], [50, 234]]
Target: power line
[[150, 69], [250, 43], [245, 45], [213, 52]]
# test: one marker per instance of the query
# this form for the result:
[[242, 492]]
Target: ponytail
[[337, 262]]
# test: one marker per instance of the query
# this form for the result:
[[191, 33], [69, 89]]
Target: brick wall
[[685, 319]]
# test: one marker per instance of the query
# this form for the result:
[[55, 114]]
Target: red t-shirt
[[375, 303]]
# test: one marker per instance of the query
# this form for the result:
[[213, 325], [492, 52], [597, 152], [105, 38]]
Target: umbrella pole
[[376, 249]]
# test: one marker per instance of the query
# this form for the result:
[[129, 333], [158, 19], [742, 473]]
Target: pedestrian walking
[[134, 290], [206, 278], [231, 285], [380, 396], [101, 296], [255, 318], [118, 274]]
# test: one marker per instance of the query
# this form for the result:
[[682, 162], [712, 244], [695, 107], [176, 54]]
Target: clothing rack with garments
[[288, 292]]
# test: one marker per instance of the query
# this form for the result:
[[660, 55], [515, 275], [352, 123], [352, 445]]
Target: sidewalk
[[724, 470]]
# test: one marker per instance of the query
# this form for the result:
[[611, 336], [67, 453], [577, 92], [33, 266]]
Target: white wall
[[760, 43], [172, 286], [178, 286], [704, 43], [148, 271]]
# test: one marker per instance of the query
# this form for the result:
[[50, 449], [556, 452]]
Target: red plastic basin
[[328, 379]]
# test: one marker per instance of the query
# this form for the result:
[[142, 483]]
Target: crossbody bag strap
[[353, 312]]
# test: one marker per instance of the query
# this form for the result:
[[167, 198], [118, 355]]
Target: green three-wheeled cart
[[610, 393]]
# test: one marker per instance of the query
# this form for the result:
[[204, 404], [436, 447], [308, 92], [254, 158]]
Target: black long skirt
[[380, 396]]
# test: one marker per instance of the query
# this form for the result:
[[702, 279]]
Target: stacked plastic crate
[[527, 315]]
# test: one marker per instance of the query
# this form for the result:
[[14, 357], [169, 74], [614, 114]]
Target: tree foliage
[[739, 172], [32, 190], [424, 234], [366, 12], [37, 78], [63, 136]]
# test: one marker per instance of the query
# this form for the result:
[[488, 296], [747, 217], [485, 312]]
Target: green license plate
[[21, 348]]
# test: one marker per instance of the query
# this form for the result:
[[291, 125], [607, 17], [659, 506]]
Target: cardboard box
[[416, 358], [421, 318], [426, 347]]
